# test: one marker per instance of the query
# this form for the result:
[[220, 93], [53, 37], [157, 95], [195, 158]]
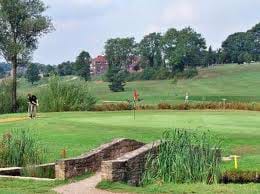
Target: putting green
[[78, 132]]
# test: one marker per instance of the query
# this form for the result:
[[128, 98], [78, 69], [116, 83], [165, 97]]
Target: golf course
[[80, 132]]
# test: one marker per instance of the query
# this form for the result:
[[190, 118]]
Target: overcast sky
[[87, 24]]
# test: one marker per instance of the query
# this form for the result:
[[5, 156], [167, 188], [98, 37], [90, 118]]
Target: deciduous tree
[[21, 24]]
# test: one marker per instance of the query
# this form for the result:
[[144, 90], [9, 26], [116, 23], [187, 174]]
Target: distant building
[[99, 65]]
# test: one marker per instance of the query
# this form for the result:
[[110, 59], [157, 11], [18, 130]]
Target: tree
[[21, 24], [32, 73], [150, 49], [82, 65], [183, 48], [48, 70], [65, 68], [119, 53], [211, 57]]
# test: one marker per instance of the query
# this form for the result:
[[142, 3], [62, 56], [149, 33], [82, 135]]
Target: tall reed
[[20, 147], [185, 157]]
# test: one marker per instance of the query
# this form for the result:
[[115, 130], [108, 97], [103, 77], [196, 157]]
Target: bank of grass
[[238, 83], [183, 188]]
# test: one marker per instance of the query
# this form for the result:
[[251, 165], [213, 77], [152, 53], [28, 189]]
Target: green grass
[[183, 188], [231, 81], [79, 132]]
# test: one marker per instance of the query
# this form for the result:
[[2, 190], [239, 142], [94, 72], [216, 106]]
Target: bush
[[61, 96], [188, 73], [184, 157], [240, 177], [5, 96], [20, 148]]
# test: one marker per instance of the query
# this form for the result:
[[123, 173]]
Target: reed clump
[[19, 148], [185, 157]]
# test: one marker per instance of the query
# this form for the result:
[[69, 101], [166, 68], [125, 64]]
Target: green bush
[[20, 148], [61, 96], [5, 96], [184, 157], [188, 73]]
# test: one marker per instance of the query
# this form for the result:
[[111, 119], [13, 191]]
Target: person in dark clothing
[[32, 105]]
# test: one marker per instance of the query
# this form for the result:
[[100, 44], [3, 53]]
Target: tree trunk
[[14, 89]]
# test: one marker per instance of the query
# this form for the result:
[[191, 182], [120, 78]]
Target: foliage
[[119, 53], [6, 100], [82, 65], [32, 73], [188, 73], [150, 49], [38, 171], [20, 148], [21, 24], [65, 68], [243, 47], [116, 78], [238, 176], [5, 96], [185, 157], [61, 96], [183, 48]]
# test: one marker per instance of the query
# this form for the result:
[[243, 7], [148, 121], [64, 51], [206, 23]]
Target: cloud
[[184, 11]]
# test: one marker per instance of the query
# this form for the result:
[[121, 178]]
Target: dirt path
[[86, 186]]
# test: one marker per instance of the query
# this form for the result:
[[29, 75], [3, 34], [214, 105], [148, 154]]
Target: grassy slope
[[231, 81]]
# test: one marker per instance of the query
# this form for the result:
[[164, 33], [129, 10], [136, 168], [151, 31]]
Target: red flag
[[136, 95]]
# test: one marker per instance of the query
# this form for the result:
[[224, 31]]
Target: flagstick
[[134, 108]]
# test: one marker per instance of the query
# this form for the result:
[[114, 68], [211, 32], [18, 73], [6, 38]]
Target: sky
[[87, 24]]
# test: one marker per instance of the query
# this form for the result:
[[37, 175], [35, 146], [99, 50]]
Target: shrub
[[188, 73], [240, 177], [5, 96], [20, 148], [184, 157], [61, 96]]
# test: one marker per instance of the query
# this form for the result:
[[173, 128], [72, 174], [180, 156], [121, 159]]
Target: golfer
[[32, 105]]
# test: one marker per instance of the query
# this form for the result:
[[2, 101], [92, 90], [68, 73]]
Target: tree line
[[169, 54]]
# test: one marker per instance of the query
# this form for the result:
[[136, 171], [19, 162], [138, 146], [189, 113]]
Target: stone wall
[[130, 167], [91, 162]]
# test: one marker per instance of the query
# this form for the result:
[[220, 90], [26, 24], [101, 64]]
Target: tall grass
[[60, 96], [20, 147], [185, 157]]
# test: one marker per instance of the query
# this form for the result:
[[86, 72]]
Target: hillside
[[231, 81]]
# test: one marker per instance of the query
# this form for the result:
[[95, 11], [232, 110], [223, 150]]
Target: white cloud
[[181, 11]]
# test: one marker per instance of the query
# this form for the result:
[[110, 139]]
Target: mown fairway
[[81, 131]]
